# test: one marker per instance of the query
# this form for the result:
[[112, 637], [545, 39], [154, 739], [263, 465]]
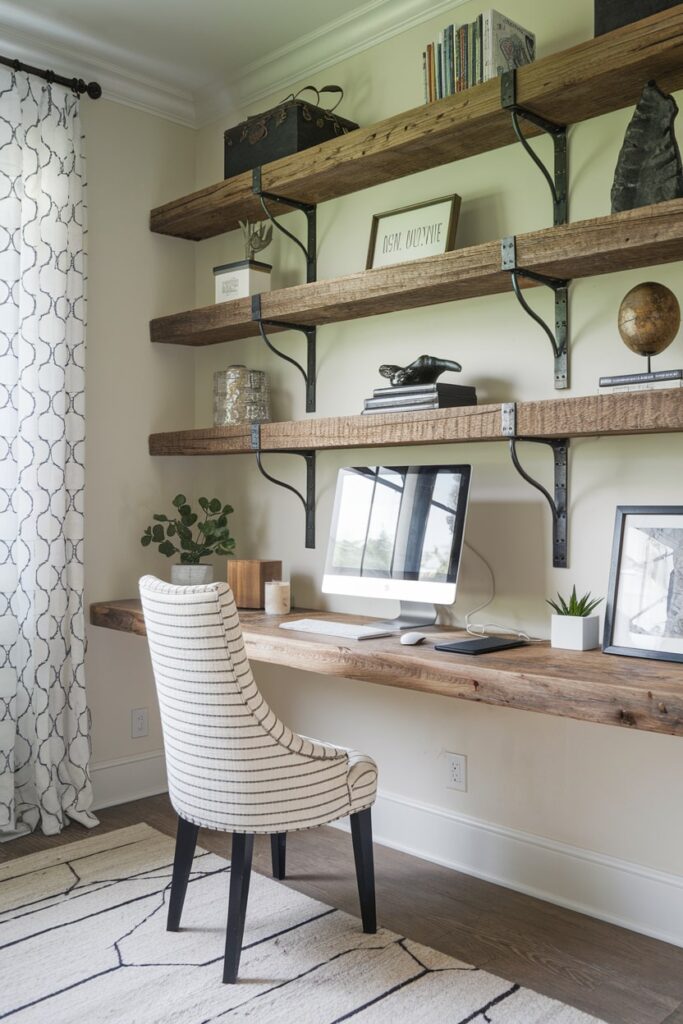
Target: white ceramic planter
[[575, 632], [191, 575]]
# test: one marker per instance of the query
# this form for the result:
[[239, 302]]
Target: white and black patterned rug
[[82, 938]]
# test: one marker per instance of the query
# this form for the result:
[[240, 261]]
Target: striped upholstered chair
[[232, 765]]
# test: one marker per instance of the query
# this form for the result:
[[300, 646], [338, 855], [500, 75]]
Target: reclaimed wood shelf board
[[586, 685], [641, 412], [637, 238], [593, 78]]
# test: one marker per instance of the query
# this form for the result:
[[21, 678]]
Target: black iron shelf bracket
[[559, 338], [310, 250], [558, 181], [559, 502], [308, 501], [308, 374]]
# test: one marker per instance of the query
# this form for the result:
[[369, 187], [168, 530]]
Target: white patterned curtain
[[44, 718]]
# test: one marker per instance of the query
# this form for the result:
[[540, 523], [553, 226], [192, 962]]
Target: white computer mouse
[[412, 638]]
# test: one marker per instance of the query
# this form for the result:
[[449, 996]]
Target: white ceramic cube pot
[[575, 632], [191, 575]]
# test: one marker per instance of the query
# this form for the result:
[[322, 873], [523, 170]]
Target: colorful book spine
[[439, 71], [425, 85]]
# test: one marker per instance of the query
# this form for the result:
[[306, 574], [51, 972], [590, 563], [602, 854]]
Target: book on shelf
[[465, 55], [652, 377], [417, 407], [421, 397], [439, 389], [653, 385]]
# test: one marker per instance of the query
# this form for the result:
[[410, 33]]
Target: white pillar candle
[[278, 600]]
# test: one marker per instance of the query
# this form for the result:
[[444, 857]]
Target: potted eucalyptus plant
[[572, 627], [193, 538]]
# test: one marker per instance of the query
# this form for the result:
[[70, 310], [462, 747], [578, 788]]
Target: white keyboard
[[345, 630]]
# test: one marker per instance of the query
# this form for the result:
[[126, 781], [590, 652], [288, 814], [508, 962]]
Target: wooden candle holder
[[248, 577]]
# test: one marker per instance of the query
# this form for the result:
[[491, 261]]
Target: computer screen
[[397, 532]]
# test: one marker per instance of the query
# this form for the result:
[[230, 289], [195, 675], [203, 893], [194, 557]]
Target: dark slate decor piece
[[611, 14], [649, 167], [423, 370]]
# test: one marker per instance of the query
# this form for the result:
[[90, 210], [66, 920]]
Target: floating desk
[[589, 686]]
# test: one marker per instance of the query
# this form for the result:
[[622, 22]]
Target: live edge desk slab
[[589, 685]]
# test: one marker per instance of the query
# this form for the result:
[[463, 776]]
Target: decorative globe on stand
[[649, 318]]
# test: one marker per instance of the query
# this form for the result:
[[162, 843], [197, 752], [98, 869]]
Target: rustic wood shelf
[[593, 78], [586, 685], [641, 412], [602, 245]]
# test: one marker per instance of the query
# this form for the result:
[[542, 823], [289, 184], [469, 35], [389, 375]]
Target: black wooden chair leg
[[361, 833], [186, 840], [278, 850], [240, 873]]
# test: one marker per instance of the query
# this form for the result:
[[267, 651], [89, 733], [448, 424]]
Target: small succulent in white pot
[[572, 627]]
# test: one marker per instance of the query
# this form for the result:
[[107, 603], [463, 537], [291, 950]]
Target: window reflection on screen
[[397, 523]]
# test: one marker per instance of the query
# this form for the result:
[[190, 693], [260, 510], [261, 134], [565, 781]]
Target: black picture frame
[[622, 514]]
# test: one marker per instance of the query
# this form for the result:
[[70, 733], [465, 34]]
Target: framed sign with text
[[426, 229]]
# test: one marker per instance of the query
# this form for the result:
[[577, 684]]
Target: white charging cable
[[485, 628]]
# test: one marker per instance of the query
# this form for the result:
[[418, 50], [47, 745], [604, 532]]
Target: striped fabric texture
[[232, 764]]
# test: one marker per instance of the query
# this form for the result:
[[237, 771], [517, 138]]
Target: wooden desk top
[[590, 686]]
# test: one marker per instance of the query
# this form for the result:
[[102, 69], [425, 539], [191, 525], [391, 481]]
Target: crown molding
[[277, 71], [131, 79], [33, 39]]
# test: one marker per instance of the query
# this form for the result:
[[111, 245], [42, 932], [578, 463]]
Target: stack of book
[[465, 55], [658, 380], [413, 397]]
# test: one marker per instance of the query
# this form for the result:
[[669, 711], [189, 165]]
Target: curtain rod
[[93, 89]]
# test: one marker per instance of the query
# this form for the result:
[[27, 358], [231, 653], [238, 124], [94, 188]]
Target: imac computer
[[396, 533]]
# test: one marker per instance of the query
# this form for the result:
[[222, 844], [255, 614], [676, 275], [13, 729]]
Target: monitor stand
[[412, 615]]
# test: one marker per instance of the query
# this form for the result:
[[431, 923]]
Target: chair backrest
[[226, 751]]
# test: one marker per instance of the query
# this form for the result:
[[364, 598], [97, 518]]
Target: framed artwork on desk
[[644, 617]]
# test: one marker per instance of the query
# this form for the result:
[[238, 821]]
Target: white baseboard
[[623, 893], [618, 891], [128, 778]]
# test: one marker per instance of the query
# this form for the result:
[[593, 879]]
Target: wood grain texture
[[248, 577], [641, 412], [601, 245], [595, 77], [588, 685]]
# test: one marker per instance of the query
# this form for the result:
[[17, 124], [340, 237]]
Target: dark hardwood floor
[[615, 974]]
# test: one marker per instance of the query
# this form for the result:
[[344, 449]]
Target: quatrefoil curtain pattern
[[44, 718]]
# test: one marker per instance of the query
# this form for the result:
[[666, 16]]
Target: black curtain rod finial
[[79, 86]]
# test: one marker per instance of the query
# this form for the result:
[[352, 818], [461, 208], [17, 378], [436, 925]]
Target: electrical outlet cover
[[456, 771]]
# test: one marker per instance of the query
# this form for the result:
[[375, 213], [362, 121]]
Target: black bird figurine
[[423, 370]]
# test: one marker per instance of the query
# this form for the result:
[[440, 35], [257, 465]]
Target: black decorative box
[[288, 128], [611, 14]]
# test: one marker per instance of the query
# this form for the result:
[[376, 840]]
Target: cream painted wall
[[597, 788], [134, 162]]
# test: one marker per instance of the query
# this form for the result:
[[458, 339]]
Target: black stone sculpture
[[423, 370], [649, 168]]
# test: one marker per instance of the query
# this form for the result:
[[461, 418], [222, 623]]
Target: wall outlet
[[139, 723], [456, 766]]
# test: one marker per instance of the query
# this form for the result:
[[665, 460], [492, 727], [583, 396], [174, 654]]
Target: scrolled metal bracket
[[310, 250], [308, 374], [559, 502], [308, 501], [559, 338], [558, 181]]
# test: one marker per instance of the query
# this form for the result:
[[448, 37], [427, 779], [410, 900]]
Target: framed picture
[[644, 616], [426, 229]]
